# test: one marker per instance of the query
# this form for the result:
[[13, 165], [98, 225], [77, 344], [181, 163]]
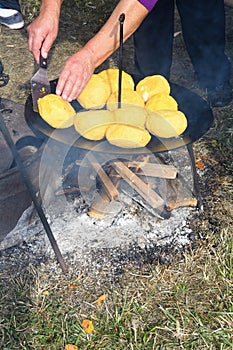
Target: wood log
[[155, 170], [102, 200], [104, 178], [150, 196], [99, 205], [149, 169], [185, 202]]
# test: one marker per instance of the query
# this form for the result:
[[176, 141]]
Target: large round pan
[[199, 115]]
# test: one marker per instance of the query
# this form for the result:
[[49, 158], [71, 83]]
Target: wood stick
[[185, 202], [105, 179], [158, 214], [102, 200], [155, 170], [99, 205], [152, 198], [149, 169]]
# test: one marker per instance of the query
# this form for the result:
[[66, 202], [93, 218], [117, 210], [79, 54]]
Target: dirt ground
[[79, 21]]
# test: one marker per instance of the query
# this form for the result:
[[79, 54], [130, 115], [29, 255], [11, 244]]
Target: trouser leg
[[203, 25], [153, 41], [10, 4]]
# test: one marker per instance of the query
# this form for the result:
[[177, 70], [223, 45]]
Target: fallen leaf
[[87, 326], [214, 143], [200, 164], [101, 299], [46, 292], [73, 286], [71, 347]]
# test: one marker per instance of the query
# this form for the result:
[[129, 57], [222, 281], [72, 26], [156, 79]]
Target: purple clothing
[[149, 4]]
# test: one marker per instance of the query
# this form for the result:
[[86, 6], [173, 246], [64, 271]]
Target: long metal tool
[[121, 20], [30, 188], [40, 84]]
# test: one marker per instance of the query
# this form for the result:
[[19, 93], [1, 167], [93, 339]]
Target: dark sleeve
[[149, 4]]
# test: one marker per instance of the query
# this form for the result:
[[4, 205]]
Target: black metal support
[[30, 188], [121, 20], [196, 185]]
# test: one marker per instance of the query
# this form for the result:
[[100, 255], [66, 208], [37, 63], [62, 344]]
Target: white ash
[[77, 233]]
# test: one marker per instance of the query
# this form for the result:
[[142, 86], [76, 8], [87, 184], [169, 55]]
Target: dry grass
[[186, 304]]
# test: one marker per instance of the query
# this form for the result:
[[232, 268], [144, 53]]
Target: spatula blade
[[40, 85]]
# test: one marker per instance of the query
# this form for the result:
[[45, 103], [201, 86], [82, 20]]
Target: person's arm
[[44, 29], [79, 67]]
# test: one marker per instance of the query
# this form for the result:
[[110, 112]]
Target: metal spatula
[[40, 85]]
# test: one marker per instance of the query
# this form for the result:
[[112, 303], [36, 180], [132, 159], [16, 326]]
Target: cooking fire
[[115, 192]]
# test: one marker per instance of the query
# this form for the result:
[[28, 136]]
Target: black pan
[[199, 115]]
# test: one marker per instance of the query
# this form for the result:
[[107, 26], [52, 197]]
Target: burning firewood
[[155, 170], [102, 200], [105, 179], [146, 168], [185, 202], [152, 198]]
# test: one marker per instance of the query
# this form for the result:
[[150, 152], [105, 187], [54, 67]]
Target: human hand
[[75, 74], [42, 33]]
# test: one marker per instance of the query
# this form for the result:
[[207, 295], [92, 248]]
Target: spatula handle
[[43, 62]]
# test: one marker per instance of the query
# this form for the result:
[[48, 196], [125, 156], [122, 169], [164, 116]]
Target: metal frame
[[4, 78]]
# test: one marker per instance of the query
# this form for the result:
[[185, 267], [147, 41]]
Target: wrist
[[53, 7], [92, 49], [91, 57]]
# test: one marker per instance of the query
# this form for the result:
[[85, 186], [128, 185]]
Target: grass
[[186, 304]]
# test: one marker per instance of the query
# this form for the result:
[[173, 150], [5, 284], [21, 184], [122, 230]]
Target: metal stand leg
[[29, 186], [196, 185]]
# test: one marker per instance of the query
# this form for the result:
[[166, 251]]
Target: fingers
[[75, 75], [69, 85], [39, 43], [65, 85], [34, 45], [42, 34], [46, 45]]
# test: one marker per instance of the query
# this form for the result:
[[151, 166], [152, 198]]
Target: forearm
[[79, 67], [107, 40], [51, 6]]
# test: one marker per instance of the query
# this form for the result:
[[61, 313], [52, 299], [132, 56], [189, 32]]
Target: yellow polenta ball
[[166, 123], [57, 112], [128, 97], [151, 85], [111, 76], [126, 136], [131, 115], [161, 101], [93, 124], [95, 93]]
